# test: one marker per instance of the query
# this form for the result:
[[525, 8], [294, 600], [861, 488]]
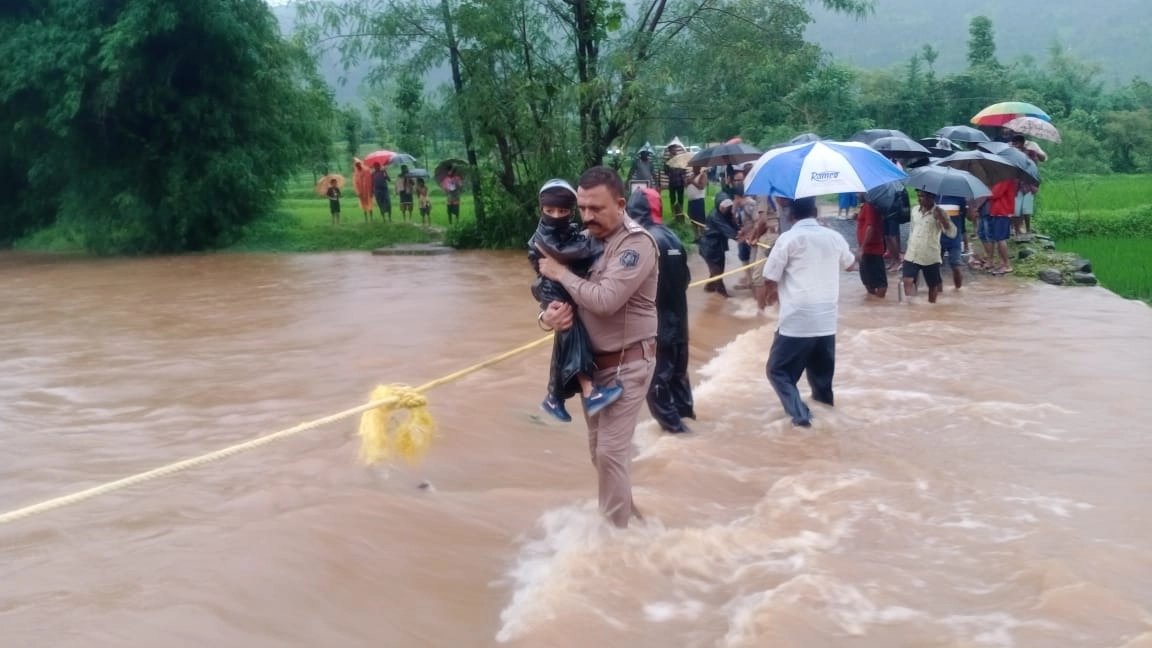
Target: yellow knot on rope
[[400, 424]]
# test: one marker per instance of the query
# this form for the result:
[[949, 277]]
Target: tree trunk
[[465, 122], [587, 70]]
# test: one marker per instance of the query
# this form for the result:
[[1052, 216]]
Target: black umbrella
[[725, 154], [962, 134], [990, 169], [1015, 155], [883, 197], [804, 138], [446, 166], [993, 147], [1021, 159], [940, 146], [945, 181], [899, 148], [872, 134]]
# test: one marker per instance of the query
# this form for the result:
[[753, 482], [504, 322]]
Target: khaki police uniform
[[617, 305]]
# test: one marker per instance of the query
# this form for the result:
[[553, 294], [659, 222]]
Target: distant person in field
[[425, 203], [453, 185], [380, 180], [334, 201], [406, 187], [362, 183]]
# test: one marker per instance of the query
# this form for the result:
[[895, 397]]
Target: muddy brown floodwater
[[984, 479]]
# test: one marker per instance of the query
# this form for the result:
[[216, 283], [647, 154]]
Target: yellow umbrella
[[323, 183]]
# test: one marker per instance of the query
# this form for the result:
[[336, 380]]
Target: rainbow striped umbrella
[[1001, 113]]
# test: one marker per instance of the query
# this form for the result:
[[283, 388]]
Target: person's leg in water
[[910, 272], [935, 283], [716, 285]]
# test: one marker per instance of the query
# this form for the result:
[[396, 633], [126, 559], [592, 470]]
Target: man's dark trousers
[[670, 396], [791, 356]]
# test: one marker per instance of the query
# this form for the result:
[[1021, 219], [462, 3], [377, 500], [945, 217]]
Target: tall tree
[[351, 127], [615, 90], [981, 44], [601, 55], [409, 102], [154, 125]]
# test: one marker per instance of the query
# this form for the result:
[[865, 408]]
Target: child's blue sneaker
[[556, 408], [601, 397]]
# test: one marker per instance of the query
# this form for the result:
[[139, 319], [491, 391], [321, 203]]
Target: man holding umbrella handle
[[924, 250]]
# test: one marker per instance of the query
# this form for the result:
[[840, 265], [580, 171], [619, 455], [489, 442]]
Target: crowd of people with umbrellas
[[374, 187], [965, 181]]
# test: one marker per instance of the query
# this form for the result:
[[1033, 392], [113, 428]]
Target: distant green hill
[[1114, 34]]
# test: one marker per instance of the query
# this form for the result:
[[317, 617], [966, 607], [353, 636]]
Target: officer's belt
[[613, 359]]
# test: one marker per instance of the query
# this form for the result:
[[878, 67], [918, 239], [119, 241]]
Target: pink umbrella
[[378, 157]]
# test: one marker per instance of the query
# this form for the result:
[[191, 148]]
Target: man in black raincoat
[[670, 394], [720, 226]]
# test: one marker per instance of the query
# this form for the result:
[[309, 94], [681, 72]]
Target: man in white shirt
[[803, 273]]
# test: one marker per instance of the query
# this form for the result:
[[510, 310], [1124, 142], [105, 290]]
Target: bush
[[464, 235], [1114, 223]]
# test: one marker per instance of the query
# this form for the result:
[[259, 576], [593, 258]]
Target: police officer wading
[[617, 305]]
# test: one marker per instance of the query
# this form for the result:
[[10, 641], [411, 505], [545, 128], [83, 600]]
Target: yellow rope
[[408, 440], [381, 436]]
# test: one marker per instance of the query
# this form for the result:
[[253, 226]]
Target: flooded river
[[984, 480]]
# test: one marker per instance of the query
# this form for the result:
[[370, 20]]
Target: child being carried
[[572, 361]]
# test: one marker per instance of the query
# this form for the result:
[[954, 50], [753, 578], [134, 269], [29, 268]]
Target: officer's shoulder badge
[[629, 258]]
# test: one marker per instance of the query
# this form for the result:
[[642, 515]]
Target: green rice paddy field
[[1106, 219]]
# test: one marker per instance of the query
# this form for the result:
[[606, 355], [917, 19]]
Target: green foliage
[[1132, 223], [409, 102], [1090, 193], [981, 44], [126, 130], [464, 235], [683, 230], [288, 232], [1120, 263], [351, 129]]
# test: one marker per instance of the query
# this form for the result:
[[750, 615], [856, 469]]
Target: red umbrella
[[379, 157]]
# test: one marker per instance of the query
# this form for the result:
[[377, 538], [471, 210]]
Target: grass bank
[[1105, 219], [1095, 206], [1123, 265], [303, 223], [1088, 194]]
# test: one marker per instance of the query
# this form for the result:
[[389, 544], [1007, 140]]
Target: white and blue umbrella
[[820, 168]]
